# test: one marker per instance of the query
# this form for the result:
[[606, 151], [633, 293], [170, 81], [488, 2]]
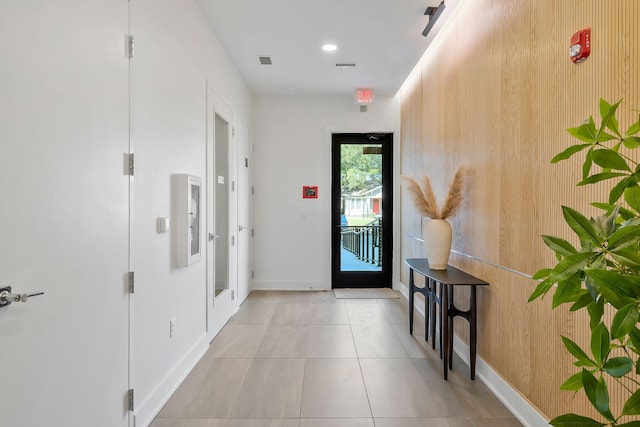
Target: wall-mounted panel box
[[188, 219]]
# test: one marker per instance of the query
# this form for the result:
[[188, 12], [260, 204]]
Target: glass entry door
[[361, 210]]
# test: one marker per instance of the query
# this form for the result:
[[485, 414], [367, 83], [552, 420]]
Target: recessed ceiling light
[[329, 47]]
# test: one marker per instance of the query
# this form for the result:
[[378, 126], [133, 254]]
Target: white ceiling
[[383, 37]]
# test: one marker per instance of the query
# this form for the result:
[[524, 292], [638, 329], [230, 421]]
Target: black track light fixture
[[433, 13]]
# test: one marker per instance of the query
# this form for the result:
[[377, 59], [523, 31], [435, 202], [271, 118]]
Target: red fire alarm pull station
[[580, 46], [310, 192]]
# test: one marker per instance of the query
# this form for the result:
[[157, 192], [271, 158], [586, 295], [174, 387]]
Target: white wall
[[292, 137], [176, 54]]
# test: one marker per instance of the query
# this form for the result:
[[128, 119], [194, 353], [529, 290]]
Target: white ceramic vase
[[437, 242]]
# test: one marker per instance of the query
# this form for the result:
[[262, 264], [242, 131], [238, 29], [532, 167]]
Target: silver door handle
[[214, 236], [6, 297]]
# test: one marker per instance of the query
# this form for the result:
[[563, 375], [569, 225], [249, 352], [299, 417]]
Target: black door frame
[[362, 279]]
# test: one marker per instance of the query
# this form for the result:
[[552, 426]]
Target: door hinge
[[233, 131], [131, 164], [130, 398], [132, 287], [253, 234], [233, 240], [131, 44], [246, 162], [233, 186], [253, 190], [253, 274], [233, 295]]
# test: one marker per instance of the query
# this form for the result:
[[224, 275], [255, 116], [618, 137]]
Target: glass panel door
[[361, 202], [221, 206]]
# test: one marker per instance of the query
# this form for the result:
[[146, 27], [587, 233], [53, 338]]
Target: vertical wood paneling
[[497, 89]]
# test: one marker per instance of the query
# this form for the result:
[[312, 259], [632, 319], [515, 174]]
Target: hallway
[[307, 359]]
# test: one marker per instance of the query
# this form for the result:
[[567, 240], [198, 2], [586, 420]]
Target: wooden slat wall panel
[[497, 89]]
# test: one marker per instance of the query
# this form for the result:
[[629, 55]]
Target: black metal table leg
[[444, 326], [450, 319], [412, 287], [473, 339], [427, 305]]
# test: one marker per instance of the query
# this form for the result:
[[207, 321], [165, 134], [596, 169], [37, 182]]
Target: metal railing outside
[[364, 241]]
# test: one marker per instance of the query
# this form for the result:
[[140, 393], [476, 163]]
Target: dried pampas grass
[[425, 200]]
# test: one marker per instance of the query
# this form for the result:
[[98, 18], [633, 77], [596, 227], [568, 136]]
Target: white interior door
[[64, 213], [221, 215]]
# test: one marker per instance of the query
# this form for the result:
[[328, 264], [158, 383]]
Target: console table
[[438, 289]]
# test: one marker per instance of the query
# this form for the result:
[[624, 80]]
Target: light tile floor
[[307, 359]]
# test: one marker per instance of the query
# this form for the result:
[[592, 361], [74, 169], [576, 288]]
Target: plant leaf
[[633, 129], [627, 256], [600, 343], [604, 137], [625, 213], [635, 338], [559, 245], [600, 177], [588, 163], [567, 291], [632, 196], [624, 236], [580, 225], [631, 142], [573, 383], [609, 159], [617, 289], [630, 424], [573, 420], [632, 405], [608, 114], [541, 290], [617, 191], [596, 311], [618, 367], [543, 273], [605, 225], [586, 132], [578, 353], [596, 391], [624, 284], [570, 266], [624, 320], [569, 152], [584, 300]]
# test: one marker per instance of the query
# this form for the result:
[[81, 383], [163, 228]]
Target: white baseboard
[[151, 406], [520, 407], [289, 285]]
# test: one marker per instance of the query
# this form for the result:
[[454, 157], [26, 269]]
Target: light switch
[[163, 224]]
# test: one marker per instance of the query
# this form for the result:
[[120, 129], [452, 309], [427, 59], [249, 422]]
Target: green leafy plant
[[604, 271]]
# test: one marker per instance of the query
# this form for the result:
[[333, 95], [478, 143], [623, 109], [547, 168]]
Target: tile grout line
[[364, 384], [244, 378]]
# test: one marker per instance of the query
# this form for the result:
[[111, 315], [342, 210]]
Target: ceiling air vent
[[346, 64], [265, 60]]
